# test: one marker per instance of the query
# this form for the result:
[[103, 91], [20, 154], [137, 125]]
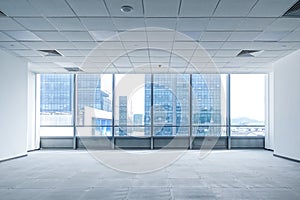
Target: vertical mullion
[[113, 112], [74, 110], [228, 103], [191, 110], [151, 113]]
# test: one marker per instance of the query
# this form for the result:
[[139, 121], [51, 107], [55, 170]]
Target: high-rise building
[[171, 104], [93, 103], [123, 115]]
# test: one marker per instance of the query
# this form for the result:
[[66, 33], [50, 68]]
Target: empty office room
[[149, 99]]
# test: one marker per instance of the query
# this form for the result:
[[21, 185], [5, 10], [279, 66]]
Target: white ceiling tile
[[226, 53], [243, 36], [223, 24], [192, 24], [293, 36], [114, 7], [214, 36], [185, 45], [88, 7], [36, 24], [78, 36], [27, 53], [85, 45], [165, 23], [161, 45], [36, 45], [50, 36], [57, 59], [155, 8], [23, 35], [284, 24], [5, 38], [188, 36], [77, 59], [98, 24], [159, 53], [12, 45], [122, 61], [133, 36], [211, 45], [61, 45], [67, 24], [139, 52], [111, 45], [235, 45], [70, 52], [129, 23], [270, 53], [14, 8], [86, 52], [221, 59], [139, 59], [105, 35], [254, 24], [234, 8], [271, 8], [271, 35], [135, 45], [102, 59], [187, 54], [41, 59], [9, 24], [197, 8], [159, 59], [52, 8], [161, 36]]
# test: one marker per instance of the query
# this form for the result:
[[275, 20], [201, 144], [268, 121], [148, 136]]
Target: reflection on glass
[[56, 99], [94, 131], [170, 104], [247, 103], [208, 104], [94, 104], [130, 96]]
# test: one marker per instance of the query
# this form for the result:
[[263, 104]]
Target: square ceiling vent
[[73, 69], [294, 11], [51, 52], [249, 53]]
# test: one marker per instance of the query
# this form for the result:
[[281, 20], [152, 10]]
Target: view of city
[[168, 98]]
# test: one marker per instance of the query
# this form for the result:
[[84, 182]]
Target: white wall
[[269, 138], [13, 106], [33, 140], [287, 106]]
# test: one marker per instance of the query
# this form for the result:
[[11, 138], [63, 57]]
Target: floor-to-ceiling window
[[152, 105], [56, 104], [247, 95]]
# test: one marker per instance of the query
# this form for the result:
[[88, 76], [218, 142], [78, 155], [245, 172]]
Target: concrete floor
[[236, 174]]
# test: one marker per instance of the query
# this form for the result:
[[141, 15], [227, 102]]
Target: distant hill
[[246, 121]]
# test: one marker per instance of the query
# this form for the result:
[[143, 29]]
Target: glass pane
[[94, 131], [56, 131], [247, 101], [132, 108], [56, 99], [208, 104], [94, 101], [170, 104], [248, 131]]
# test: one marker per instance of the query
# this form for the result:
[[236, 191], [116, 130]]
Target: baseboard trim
[[286, 158], [12, 158], [269, 149]]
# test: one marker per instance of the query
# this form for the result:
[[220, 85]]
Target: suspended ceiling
[[156, 36]]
